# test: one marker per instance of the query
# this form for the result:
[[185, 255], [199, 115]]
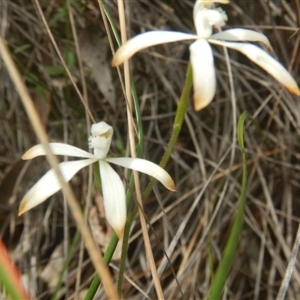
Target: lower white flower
[[112, 185]]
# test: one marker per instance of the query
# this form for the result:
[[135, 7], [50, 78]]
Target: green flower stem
[[179, 118], [223, 270], [123, 256], [97, 179]]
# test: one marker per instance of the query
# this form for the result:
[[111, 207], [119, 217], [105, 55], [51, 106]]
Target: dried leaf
[[94, 55]]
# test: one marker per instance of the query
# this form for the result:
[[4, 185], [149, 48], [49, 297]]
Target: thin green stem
[[97, 178], [123, 257], [179, 118], [224, 268]]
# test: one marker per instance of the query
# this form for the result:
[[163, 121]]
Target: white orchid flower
[[204, 78], [112, 185]]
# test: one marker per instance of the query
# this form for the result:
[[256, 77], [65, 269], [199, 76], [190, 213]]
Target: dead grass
[[188, 229]]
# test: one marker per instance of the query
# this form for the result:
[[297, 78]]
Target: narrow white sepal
[[241, 35], [57, 149], [49, 185], [113, 197], [265, 61], [148, 39], [146, 167], [204, 77]]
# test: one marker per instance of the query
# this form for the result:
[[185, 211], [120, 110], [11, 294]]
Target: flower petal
[[147, 39], [265, 61], [58, 149], [204, 77], [242, 35], [205, 19], [100, 139], [147, 167], [49, 185], [113, 197], [209, 3]]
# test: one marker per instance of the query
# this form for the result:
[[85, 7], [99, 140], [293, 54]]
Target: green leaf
[[54, 70], [224, 268], [22, 48]]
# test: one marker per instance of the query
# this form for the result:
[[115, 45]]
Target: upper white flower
[[204, 78], [112, 185]]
